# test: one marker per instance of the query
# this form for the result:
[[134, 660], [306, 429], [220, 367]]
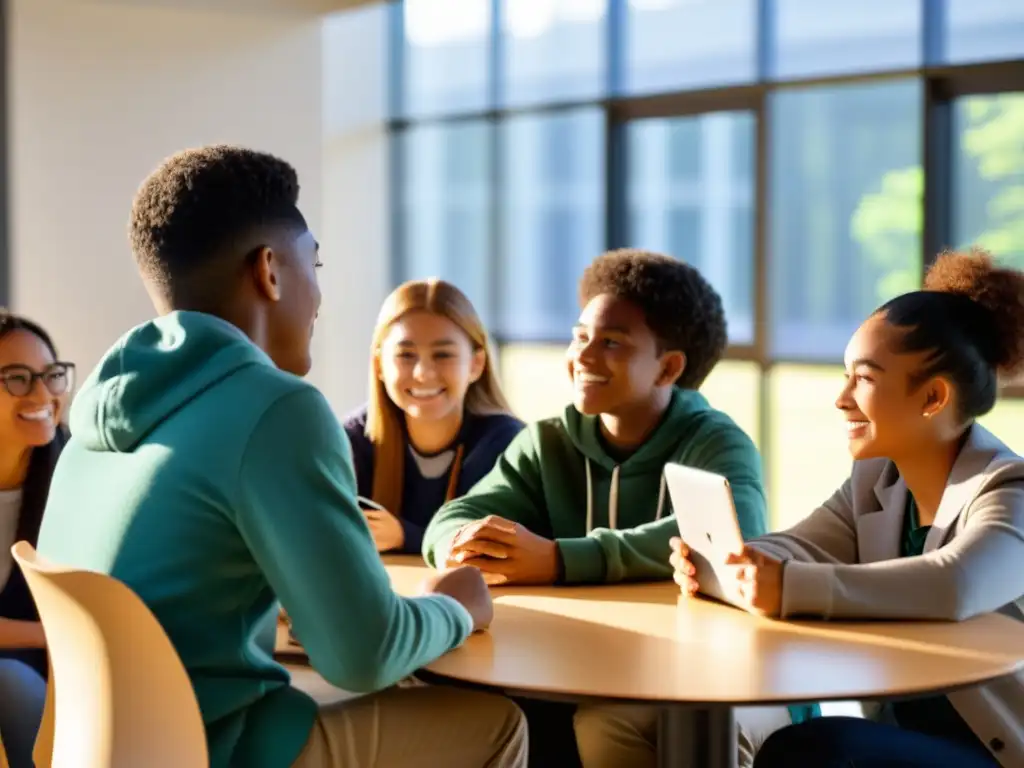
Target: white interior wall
[[355, 223], [99, 94]]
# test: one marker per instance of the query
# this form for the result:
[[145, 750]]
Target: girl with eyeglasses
[[34, 386]]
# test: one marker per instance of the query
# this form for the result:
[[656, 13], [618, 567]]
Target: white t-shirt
[[433, 467]]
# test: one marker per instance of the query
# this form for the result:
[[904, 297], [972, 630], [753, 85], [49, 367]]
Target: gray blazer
[[843, 562]]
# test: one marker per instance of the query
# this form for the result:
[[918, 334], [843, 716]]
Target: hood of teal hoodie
[[650, 458], [151, 372]]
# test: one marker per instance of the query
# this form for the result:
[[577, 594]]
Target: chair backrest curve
[[127, 698]]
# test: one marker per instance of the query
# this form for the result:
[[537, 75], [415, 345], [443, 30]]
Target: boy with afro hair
[[581, 498], [651, 330]]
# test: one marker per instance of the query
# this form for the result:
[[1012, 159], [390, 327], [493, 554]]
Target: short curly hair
[[199, 201], [682, 309]]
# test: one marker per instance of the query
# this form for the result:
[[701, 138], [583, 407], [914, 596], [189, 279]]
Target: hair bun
[[999, 290]]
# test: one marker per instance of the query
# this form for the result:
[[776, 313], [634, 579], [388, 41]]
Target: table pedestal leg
[[695, 737]]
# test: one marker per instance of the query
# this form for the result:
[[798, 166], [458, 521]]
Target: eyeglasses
[[19, 380]]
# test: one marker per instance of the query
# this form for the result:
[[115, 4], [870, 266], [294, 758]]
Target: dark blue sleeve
[[362, 451], [362, 459], [493, 436], [413, 536]]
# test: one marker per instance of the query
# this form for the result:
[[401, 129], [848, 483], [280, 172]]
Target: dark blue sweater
[[483, 440]]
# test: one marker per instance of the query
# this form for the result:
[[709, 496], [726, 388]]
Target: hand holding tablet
[[710, 556], [709, 530]]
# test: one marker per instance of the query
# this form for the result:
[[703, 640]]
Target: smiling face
[[427, 364], [614, 359], [33, 392], [885, 415]]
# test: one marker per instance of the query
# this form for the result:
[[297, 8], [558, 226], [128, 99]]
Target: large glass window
[[672, 45], [989, 174], [846, 192], [445, 56], [799, 153], [445, 214], [552, 219], [554, 50], [691, 195], [983, 30], [826, 37]]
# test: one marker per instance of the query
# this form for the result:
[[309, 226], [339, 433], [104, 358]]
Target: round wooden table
[[696, 659]]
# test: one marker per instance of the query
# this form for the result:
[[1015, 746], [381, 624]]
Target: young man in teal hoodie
[[205, 474], [581, 498]]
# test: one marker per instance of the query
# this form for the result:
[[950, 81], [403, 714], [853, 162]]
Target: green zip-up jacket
[[612, 521]]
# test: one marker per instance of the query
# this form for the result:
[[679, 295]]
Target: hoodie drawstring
[[613, 499], [661, 497], [590, 499]]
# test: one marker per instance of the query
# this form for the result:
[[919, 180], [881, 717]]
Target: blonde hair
[[383, 418]]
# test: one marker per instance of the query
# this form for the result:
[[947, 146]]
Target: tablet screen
[[706, 517]]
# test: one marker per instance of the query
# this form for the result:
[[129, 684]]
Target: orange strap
[[453, 477]]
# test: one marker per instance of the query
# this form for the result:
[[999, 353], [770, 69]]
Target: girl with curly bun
[[929, 525]]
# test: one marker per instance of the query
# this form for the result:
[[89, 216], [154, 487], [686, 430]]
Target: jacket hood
[[153, 371], [656, 450], [649, 459]]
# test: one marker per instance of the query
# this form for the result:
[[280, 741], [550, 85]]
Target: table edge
[[429, 676]]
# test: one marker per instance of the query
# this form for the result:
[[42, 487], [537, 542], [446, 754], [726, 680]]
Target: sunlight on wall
[[732, 387], [536, 380], [1006, 421], [807, 456]]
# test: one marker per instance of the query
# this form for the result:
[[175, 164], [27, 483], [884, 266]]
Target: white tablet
[[706, 516]]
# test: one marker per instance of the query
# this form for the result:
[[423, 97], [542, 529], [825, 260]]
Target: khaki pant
[[625, 736], [411, 727]]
